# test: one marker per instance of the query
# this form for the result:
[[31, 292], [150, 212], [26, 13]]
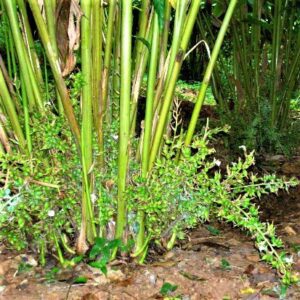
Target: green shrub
[[40, 201]]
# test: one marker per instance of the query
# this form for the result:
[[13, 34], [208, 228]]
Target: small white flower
[[289, 259], [115, 137], [217, 162], [243, 147], [262, 247], [93, 197], [51, 213]]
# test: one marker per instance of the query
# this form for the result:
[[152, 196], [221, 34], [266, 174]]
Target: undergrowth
[[40, 197], [256, 132]]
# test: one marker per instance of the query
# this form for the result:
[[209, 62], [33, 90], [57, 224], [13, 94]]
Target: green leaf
[[24, 267], [104, 269], [144, 41], [77, 259], [213, 230], [97, 248], [100, 264], [168, 288], [219, 8], [114, 243], [159, 6], [21, 222], [225, 265], [80, 279], [127, 247]]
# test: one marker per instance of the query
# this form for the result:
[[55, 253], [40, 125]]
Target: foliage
[[63, 139], [256, 80], [159, 6], [101, 252], [177, 196], [168, 288], [257, 132], [41, 196]]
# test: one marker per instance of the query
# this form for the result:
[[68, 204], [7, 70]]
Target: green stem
[[107, 56], [191, 18], [87, 119], [29, 38], [55, 67], [124, 135], [148, 121], [96, 75], [208, 72], [276, 38], [24, 61], [11, 112], [26, 115], [51, 25]]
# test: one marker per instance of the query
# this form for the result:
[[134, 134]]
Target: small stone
[[290, 231], [169, 255], [233, 242], [152, 279], [253, 258], [115, 275], [27, 259], [181, 264]]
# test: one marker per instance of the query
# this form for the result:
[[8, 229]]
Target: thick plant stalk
[[275, 57], [9, 84], [191, 18], [143, 24], [26, 115], [50, 18], [150, 97], [140, 59], [116, 74], [138, 78], [25, 66], [4, 141], [97, 14], [107, 57], [208, 72], [179, 23], [148, 123], [164, 39], [30, 43], [54, 63], [124, 134], [88, 226], [257, 9], [4, 21], [11, 112], [180, 17]]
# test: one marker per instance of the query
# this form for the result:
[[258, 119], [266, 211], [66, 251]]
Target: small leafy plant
[[180, 194], [168, 288], [101, 253]]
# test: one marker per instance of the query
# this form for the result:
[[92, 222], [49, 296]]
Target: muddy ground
[[216, 262]]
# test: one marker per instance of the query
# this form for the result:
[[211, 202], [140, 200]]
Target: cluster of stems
[[114, 60]]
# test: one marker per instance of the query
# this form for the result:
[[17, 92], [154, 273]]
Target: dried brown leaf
[[68, 16]]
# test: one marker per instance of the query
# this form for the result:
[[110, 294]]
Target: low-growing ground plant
[[185, 188]]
